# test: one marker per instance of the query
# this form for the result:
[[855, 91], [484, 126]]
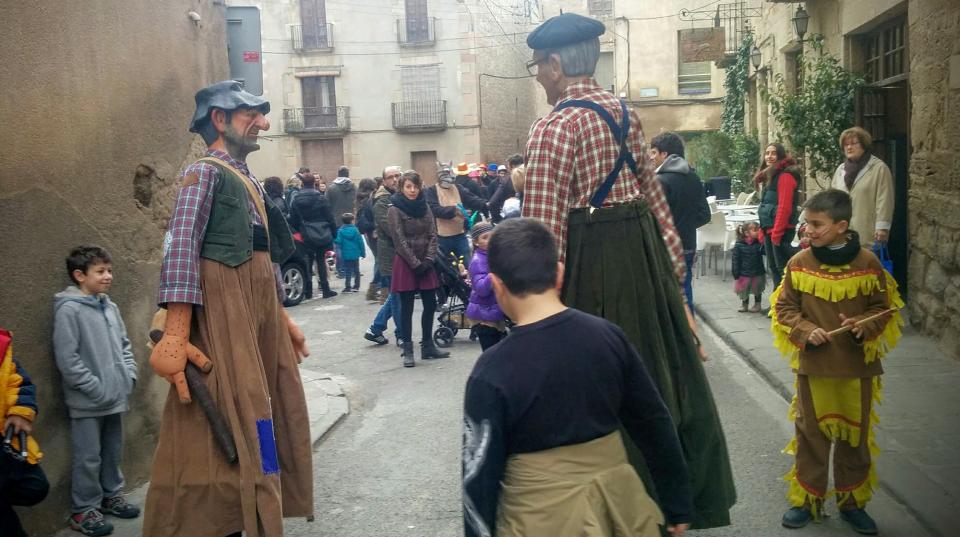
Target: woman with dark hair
[[779, 186], [309, 215], [367, 226], [414, 235], [274, 188]]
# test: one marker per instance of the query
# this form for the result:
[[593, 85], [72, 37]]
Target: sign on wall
[[701, 45]]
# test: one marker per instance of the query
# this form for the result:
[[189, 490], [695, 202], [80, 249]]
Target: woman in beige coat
[[870, 185]]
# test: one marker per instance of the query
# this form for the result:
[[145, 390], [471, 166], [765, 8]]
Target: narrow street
[[392, 466]]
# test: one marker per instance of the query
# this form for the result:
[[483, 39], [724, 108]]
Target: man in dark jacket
[[385, 251], [342, 196], [311, 206], [684, 191]]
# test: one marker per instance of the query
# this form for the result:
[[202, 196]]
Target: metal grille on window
[[600, 8], [420, 88], [694, 78]]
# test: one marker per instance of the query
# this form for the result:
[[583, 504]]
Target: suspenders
[[619, 133]]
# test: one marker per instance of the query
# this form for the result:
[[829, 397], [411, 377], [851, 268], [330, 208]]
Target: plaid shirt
[[180, 272], [569, 155]]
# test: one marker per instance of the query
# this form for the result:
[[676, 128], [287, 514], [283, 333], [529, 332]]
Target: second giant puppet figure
[[220, 289]]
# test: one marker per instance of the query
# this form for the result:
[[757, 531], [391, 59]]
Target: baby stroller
[[453, 296]]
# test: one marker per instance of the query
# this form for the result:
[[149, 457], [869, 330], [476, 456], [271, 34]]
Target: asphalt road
[[392, 467]]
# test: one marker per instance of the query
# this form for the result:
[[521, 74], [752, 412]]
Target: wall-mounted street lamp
[[755, 57], [800, 21]]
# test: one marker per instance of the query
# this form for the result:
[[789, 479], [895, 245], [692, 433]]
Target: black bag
[[365, 221], [317, 234]]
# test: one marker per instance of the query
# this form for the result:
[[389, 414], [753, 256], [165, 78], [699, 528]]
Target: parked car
[[294, 274]]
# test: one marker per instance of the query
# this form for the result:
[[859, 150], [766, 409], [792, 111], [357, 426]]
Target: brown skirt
[[256, 384]]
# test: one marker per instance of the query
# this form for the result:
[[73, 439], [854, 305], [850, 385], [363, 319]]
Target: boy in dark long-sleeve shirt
[[545, 406]]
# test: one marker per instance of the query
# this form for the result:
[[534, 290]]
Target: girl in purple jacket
[[489, 321]]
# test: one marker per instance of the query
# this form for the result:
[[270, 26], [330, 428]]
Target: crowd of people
[[588, 411]]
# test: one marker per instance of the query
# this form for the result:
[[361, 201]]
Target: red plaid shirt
[[180, 272], [569, 155]]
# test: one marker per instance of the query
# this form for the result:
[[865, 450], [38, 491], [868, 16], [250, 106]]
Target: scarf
[[839, 256], [851, 168], [414, 208]]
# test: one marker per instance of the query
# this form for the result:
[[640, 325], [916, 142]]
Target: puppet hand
[[168, 359], [299, 341]]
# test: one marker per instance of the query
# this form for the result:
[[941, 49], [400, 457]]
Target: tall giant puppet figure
[[589, 180], [220, 288]]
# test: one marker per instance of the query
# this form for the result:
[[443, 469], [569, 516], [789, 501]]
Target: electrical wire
[[672, 15]]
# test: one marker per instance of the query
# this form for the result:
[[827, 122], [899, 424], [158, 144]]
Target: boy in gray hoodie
[[96, 362]]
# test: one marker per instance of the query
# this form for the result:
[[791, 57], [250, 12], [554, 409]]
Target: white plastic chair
[[713, 236]]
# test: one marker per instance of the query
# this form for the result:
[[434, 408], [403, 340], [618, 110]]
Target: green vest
[[230, 232]]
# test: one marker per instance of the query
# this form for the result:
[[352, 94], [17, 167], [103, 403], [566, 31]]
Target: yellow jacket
[[18, 395]]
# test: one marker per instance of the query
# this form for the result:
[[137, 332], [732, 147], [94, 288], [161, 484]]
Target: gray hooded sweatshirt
[[93, 354]]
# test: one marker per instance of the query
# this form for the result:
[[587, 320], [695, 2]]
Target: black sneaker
[[860, 521], [330, 294], [119, 507], [796, 517], [379, 339], [90, 522]]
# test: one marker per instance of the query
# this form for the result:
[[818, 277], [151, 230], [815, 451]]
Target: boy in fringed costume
[[835, 316]]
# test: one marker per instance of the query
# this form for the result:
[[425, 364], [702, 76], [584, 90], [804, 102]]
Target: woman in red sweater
[[779, 185]]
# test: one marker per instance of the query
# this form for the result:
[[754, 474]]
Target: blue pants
[[351, 268], [457, 244], [688, 257], [390, 308]]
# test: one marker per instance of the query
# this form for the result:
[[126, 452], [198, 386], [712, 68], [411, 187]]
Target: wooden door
[[425, 162], [323, 156], [418, 24]]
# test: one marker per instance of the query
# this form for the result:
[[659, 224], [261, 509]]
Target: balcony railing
[[331, 121], [319, 37], [418, 31], [419, 115]]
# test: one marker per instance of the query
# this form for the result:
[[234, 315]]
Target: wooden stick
[[849, 327]]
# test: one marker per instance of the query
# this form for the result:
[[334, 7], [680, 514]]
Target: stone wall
[[934, 271], [97, 97]]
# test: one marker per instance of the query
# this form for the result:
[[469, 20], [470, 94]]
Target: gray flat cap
[[226, 95], [564, 29]]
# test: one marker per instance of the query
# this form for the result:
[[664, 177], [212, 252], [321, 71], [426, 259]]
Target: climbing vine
[[813, 116], [735, 84]]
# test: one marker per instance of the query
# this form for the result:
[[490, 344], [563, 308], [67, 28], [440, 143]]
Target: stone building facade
[[909, 52], [97, 98], [405, 82]]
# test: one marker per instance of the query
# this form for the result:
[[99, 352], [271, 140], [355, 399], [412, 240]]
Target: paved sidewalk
[[919, 428], [326, 405]]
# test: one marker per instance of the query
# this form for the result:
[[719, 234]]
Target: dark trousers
[[688, 258], [351, 269], [777, 256], [315, 259], [488, 336], [20, 484], [429, 300]]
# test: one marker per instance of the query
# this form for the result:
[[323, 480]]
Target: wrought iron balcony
[[419, 115], [418, 31], [319, 37], [323, 121]]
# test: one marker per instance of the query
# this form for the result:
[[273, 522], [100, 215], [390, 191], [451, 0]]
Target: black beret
[[564, 29], [226, 95]]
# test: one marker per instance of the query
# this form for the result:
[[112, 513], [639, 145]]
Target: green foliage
[[708, 152], [735, 84], [813, 117], [715, 154]]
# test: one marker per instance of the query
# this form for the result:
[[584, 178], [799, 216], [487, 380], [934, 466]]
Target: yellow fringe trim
[[798, 496], [835, 290]]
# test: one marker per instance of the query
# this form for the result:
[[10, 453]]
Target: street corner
[[327, 404]]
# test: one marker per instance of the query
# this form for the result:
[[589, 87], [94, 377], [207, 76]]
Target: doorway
[[425, 162]]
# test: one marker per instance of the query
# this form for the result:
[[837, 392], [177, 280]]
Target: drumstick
[[848, 327]]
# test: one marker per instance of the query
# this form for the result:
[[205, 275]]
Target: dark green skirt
[[618, 268]]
